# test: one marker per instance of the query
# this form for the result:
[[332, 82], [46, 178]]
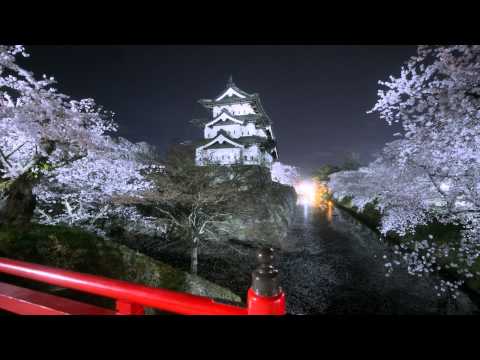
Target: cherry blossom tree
[[84, 192], [40, 130], [284, 174], [431, 173], [197, 202]]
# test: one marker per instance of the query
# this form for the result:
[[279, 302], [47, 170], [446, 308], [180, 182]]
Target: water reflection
[[314, 195], [305, 211], [329, 211], [325, 210]]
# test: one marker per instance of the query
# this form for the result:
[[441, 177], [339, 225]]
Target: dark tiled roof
[[250, 140], [261, 118], [245, 140], [232, 85], [225, 145], [225, 122], [220, 132]]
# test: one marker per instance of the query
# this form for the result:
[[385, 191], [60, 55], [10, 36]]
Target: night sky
[[317, 95]]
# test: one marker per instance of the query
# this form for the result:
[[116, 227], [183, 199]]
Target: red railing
[[263, 298]]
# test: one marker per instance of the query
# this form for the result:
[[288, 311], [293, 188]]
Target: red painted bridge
[[264, 297]]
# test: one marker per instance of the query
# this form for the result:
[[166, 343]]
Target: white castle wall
[[218, 156], [248, 156], [260, 132], [234, 131], [227, 156], [234, 109], [254, 156]]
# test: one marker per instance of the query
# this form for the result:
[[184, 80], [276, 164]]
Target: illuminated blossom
[[430, 173]]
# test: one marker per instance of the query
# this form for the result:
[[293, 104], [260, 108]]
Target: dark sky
[[317, 95]]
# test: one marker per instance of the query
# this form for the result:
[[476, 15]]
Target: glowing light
[[306, 191], [313, 194], [329, 211]]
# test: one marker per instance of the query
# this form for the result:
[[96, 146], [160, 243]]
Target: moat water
[[330, 263]]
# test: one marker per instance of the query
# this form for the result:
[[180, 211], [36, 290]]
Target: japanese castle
[[238, 131]]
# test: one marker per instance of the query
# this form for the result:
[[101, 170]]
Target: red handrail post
[[265, 296], [128, 308], [265, 305]]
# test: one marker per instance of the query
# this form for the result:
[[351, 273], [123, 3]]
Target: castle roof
[[232, 91], [224, 145], [245, 141], [234, 95], [222, 140], [226, 117], [260, 120]]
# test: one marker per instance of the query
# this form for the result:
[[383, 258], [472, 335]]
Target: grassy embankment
[[77, 250]]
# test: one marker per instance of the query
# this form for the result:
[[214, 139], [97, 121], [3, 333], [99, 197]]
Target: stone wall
[[264, 213]]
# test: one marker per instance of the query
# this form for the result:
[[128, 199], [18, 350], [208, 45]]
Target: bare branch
[[15, 150]]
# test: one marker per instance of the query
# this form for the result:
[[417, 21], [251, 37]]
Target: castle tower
[[238, 131]]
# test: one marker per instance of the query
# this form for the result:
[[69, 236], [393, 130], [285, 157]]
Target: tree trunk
[[20, 204], [194, 257]]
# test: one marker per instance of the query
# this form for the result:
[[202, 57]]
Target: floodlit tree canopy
[[60, 145], [431, 172]]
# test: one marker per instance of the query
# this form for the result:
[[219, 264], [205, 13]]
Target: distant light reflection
[[314, 194]]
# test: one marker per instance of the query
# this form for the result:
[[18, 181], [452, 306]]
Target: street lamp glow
[[306, 192]]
